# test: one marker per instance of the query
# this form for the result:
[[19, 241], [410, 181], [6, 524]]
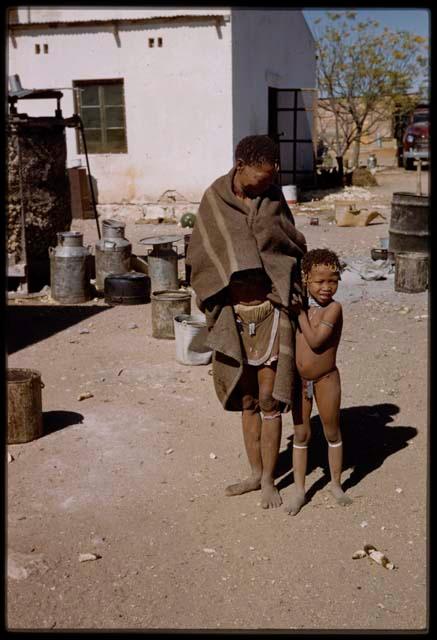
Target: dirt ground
[[136, 474]]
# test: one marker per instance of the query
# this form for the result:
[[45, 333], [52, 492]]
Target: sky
[[415, 20]]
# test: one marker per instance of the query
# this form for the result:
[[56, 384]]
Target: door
[[291, 125]]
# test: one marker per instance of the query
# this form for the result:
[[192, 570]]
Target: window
[[100, 104], [46, 48], [159, 42], [37, 48]]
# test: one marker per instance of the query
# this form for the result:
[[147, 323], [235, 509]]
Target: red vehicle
[[415, 141]]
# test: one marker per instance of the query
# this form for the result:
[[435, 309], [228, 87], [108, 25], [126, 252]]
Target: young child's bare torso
[[312, 363]]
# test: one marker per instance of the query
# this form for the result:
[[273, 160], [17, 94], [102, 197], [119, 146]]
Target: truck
[[415, 141]]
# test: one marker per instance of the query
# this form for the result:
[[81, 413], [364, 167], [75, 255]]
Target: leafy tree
[[364, 74]]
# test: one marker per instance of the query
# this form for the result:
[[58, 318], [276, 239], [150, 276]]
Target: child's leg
[[327, 392], [302, 434], [251, 422], [271, 430]]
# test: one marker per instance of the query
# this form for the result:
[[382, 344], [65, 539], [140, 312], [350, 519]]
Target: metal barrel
[[25, 421], [70, 269], [163, 268], [409, 223], [166, 305]]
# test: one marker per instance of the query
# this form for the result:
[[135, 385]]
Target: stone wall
[[37, 150]]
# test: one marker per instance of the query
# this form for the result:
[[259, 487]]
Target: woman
[[245, 256]]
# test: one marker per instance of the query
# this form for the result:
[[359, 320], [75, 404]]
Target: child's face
[[256, 179], [322, 283]]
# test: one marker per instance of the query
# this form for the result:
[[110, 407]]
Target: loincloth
[[308, 385], [258, 328]]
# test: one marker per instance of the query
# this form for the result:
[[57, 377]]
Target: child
[[317, 340]]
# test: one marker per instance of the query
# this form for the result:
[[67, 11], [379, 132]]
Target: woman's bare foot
[[296, 503], [340, 496], [237, 489], [270, 498]]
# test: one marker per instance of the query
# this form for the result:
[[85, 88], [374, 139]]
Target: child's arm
[[317, 337]]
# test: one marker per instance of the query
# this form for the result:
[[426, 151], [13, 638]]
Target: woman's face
[[255, 179]]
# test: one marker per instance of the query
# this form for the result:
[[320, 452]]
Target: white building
[[165, 94]]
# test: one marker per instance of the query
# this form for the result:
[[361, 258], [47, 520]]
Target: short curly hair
[[256, 150], [317, 257]]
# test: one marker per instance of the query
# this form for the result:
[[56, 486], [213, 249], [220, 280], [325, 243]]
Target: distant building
[[165, 94]]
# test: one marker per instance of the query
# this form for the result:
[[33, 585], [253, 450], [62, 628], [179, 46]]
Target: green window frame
[[101, 106]]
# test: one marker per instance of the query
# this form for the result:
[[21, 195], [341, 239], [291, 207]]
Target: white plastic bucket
[[190, 336], [290, 193]]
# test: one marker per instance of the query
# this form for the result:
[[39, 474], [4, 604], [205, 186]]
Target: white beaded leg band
[[300, 446], [337, 444], [275, 415]]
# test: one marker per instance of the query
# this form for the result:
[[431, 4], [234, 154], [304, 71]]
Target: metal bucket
[[165, 306], [411, 272], [191, 333], [409, 223], [70, 269], [163, 268], [24, 405]]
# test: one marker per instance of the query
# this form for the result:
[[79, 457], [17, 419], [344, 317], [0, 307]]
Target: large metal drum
[[113, 252], [409, 223], [166, 305], [69, 269], [162, 262]]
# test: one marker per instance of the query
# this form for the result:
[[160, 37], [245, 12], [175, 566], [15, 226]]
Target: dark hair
[[319, 256], [255, 150]]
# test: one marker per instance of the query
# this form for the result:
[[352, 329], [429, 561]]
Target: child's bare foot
[[237, 489], [340, 495], [270, 498], [296, 503]]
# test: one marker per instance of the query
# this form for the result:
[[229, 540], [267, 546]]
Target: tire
[[408, 164]]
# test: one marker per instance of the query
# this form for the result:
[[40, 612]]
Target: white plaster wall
[[273, 48], [178, 101]]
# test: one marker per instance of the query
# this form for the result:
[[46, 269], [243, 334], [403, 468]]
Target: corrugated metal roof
[[119, 22]]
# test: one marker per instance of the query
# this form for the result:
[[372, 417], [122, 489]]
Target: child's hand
[[296, 303]]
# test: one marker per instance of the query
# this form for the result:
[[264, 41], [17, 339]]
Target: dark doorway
[[291, 118]]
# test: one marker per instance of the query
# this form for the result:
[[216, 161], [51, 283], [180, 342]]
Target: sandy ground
[[136, 474]]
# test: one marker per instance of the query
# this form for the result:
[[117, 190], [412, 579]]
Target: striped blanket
[[231, 236]]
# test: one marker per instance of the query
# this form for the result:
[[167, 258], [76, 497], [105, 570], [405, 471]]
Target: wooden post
[[411, 272], [419, 177]]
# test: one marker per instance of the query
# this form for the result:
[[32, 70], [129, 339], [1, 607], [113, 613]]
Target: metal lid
[[160, 239]]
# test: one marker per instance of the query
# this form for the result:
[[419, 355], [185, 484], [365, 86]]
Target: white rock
[[132, 325], [359, 554], [169, 451], [364, 524], [85, 557], [399, 490], [212, 456], [85, 395], [84, 331], [206, 550]]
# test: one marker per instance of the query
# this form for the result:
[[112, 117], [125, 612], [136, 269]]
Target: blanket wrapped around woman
[[230, 236]]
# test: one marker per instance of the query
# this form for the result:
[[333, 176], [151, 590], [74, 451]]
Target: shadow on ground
[[57, 420], [28, 324], [368, 440]]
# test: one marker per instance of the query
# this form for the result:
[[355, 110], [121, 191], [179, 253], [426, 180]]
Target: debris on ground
[[369, 269], [378, 556], [86, 557], [85, 395]]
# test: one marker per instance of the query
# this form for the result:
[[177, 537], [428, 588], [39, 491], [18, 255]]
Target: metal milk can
[[69, 269], [113, 252], [163, 263]]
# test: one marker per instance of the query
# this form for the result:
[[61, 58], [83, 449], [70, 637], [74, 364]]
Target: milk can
[[69, 269], [162, 262], [113, 252]]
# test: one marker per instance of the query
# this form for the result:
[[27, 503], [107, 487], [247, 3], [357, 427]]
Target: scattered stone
[[132, 325], [212, 456], [359, 554], [209, 550], [84, 331], [399, 490], [10, 457], [364, 524], [378, 557], [169, 451], [74, 341], [86, 557], [85, 395]]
